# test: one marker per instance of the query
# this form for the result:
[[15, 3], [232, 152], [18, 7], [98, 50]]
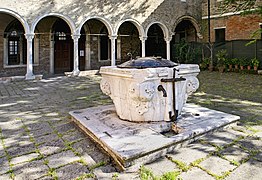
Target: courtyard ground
[[38, 140]]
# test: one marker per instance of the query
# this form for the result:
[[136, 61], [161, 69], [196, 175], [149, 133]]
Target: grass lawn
[[234, 93]]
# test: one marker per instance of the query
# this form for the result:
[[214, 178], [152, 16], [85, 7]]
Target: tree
[[245, 6]]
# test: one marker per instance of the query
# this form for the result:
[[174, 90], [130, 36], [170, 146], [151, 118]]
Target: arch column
[[29, 61], [75, 38], [113, 49], [168, 48], [143, 42]]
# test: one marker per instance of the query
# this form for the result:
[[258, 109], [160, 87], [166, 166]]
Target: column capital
[[113, 37], [29, 36], [168, 39], [199, 35], [144, 38], [75, 36]]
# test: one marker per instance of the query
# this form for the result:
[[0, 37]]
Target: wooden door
[[63, 57]]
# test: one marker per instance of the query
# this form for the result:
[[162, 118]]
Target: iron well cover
[[147, 62]]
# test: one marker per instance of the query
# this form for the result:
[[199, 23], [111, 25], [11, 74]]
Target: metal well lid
[[147, 62]]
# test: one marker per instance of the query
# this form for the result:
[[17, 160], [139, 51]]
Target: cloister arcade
[[54, 44]]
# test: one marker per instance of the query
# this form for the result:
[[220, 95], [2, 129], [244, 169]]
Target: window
[[61, 36], [15, 44], [13, 55], [220, 35]]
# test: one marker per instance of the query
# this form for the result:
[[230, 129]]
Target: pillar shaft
[[29, 61], [113, 50], [75, 38]]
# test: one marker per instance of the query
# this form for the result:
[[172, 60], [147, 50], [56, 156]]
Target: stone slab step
[[132, 144]]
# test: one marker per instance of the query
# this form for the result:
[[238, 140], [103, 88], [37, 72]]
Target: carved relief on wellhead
[[105, 87], [192, 84]]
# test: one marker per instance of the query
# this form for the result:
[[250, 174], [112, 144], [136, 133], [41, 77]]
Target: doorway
[[63, 60]]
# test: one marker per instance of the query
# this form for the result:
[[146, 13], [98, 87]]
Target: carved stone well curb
[[136, 95]]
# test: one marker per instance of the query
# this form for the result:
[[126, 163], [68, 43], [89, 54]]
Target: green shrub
[[221, 57], [235, 61], [255, 62], [243, 61]]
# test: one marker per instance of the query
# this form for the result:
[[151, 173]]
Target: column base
[[29, 76], [75, 72]]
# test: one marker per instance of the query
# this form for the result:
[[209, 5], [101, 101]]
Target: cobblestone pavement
[[38, 141]]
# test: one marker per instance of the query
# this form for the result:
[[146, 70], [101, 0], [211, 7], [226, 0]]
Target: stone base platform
[[133, 144]]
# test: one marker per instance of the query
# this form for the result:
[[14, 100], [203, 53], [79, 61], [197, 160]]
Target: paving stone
[[46, 178], [62, 128], [234, 153], [251, 142], [258, 157], [4, 165], [62, 158], [87, 148], [88, 159], [2, 154], [31, 116], [222, 138], [217, 165], [250, 170], [119, 176], [237, 130], [258, 134], [5, 177], [161, 166], [71, 171], [105, 172], [37, 126], [2, 151], [20, 149], [46, 138], [74, 136], [24, 158], [30, 170], [15, 140], [53, 105], [11, 128], [51, 147], [258, 128], [130, 176], [195, 174], [192, 152]]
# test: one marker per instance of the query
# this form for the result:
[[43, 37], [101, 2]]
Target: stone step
[[134, 144]]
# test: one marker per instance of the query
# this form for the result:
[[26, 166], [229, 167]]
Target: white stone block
[[135, 91]]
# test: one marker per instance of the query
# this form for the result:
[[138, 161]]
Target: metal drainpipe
[[208, 20]]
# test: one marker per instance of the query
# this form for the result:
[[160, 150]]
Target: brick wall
[[242, 27], [238, 27]]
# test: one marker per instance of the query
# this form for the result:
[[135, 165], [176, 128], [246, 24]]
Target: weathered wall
[[238, 27], [143, 11], [113, 13]]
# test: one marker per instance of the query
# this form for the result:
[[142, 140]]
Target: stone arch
[[18, 17], [103, 20], [157, 37], [128, 42], [95, 36], [186, 34], [133, 21], [162, 26], [189, 18], [65, 18]]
